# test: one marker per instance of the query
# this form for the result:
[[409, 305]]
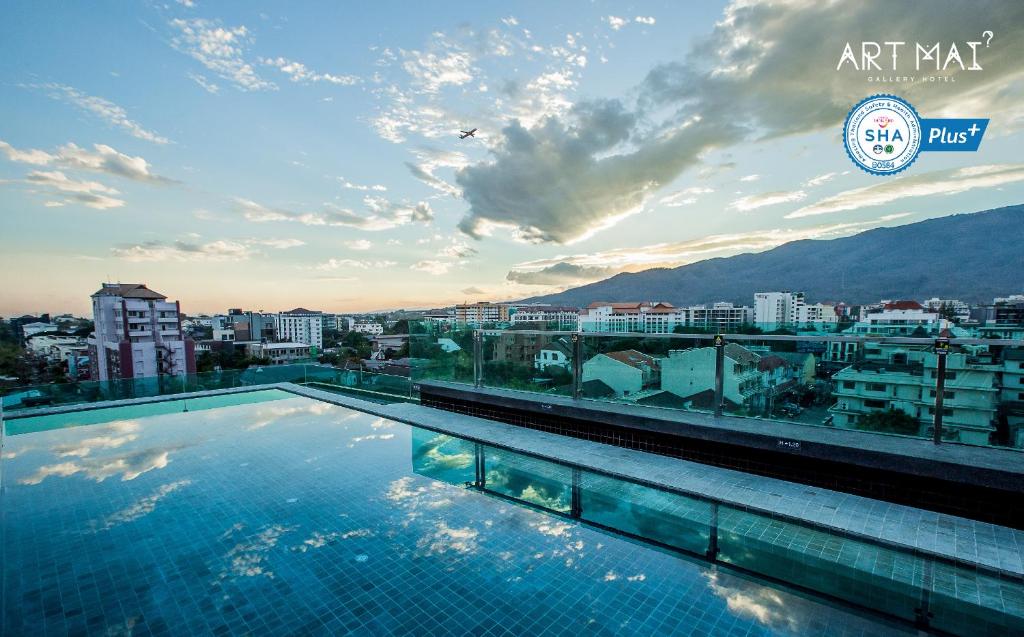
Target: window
[[949, 375], [874, 404], [945, 411], [849, 384], [947, 395], [876, 387]]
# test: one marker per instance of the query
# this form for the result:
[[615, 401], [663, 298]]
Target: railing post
[[478, 362], [712, 553], [577, 366], [719, 373], [480, 476], [575, 498], [923, 612], [941, 349]]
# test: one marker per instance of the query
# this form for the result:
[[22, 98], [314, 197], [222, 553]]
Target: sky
[[272, 155]]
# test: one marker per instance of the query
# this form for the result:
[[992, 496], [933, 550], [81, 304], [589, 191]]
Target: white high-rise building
[[778, 308], [138, 334], [300, 326]]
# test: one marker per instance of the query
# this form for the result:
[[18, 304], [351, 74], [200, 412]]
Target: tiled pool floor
[[298, 517]]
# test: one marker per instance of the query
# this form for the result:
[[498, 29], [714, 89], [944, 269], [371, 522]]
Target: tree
[[400, 327], [892, 421]]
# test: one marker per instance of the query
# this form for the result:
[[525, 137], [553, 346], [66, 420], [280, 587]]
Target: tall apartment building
[[565, 318], [137, 334], [300, 326], [252, 326], [661, 318], [970, 398], [481, 313], [959, 310], [722, 317], [778, 308]]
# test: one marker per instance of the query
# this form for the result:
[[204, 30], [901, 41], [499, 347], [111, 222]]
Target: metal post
[[577, 366], [719, 373], [712, 553], [923, 612], [480, 470], [478, 365], [575, 498], [941, 349]]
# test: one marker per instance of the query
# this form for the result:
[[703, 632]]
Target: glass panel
[[652, 514], [538, 482], [439, 353], [651, 371], [443, 457], [862, 573], [530, 361], [966, 602]]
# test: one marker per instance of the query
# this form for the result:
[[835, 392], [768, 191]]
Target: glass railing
[[963, 390], [929, 591], [352, 381]]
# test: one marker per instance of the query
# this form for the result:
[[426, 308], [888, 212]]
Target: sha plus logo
[[882, 134]]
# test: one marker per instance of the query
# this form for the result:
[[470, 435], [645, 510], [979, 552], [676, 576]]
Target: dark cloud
[[559, 274]]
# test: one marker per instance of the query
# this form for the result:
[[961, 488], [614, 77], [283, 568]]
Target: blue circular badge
[[882, 134]]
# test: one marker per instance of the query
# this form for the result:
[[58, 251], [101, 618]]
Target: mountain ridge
[[915, 260]]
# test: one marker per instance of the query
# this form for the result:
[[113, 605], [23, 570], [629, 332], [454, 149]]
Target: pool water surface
[[290, 516]]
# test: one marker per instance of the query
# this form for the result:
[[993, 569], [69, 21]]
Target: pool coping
[[949, 538]]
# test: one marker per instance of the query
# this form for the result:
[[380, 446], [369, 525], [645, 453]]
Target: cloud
[[750, 178], [560, 274], [615, 22], [472, 291], [201, 80], [384, 214], [30, 156], [433, 267], [684, 197], [648, 20], [102, 108], [183, 251], [278, 244], [219, 49], [429, 161], [753, 202], [458, 249], [584, 268], [212, 251], [563, 181], [820, 179], [346, 264], [360, 244], [351, 186], [445, 64], [297, 72], [102, 159], [940, 182], [89, 193]]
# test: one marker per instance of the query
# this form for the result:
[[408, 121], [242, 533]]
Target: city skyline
[[234, 155]]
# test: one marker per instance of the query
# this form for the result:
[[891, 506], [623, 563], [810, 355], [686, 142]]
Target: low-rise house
[[368, 328], [280, 353], [689, 372], [624, 372], [557, 353]]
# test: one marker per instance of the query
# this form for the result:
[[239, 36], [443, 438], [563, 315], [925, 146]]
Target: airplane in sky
[[467, 133]]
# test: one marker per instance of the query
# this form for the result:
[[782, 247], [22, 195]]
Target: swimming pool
[[276, 514]]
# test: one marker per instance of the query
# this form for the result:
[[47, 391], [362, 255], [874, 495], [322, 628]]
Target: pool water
[[292, 516]]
